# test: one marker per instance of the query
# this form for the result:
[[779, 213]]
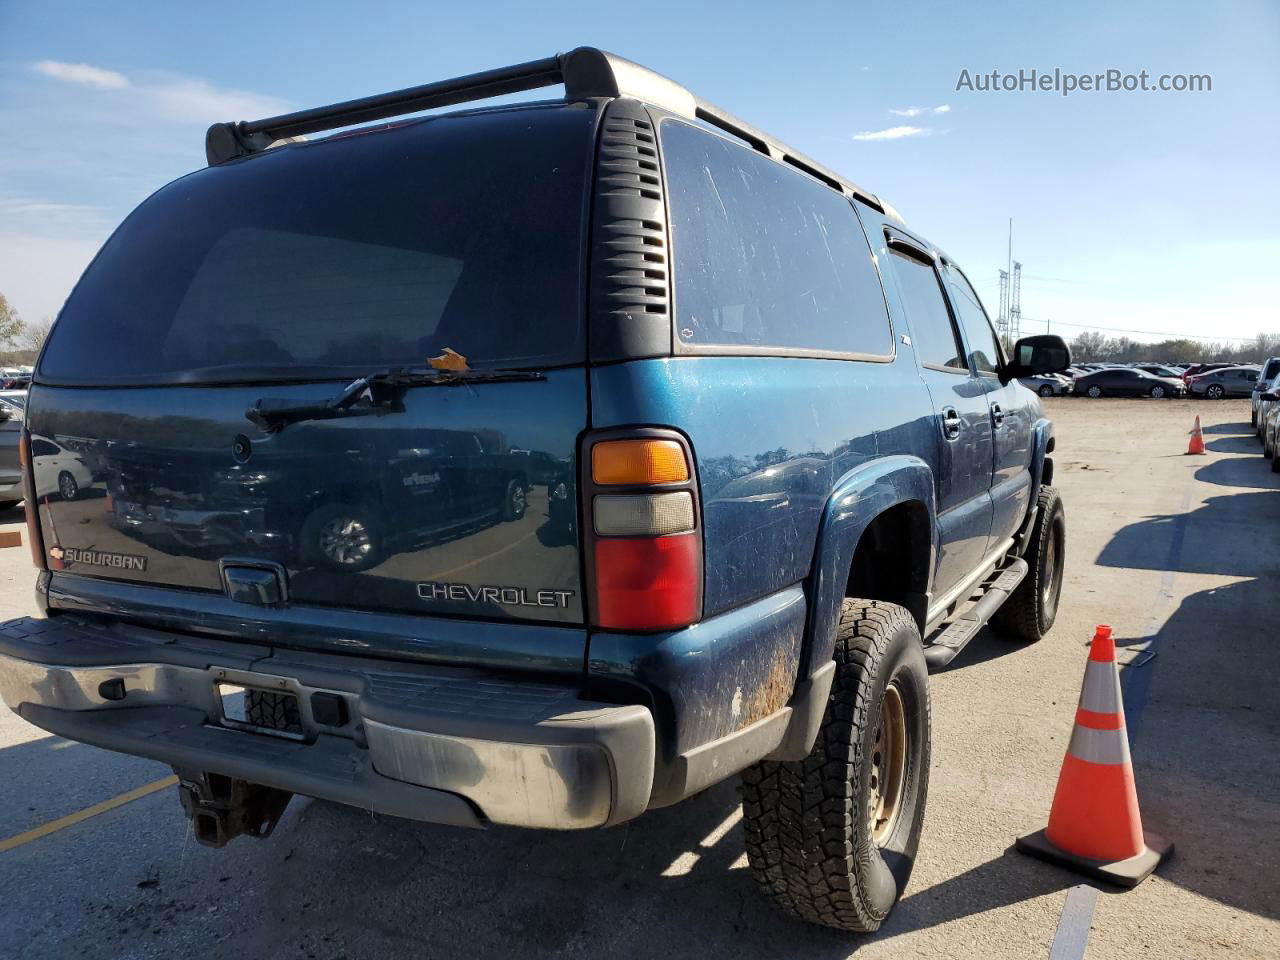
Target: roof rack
[[585, 72]]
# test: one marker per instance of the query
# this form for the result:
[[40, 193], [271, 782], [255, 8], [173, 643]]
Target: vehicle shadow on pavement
[[1242, 443], [333, 881], [1253, 471], [1204, 734], [1233, 427], [526, 893]]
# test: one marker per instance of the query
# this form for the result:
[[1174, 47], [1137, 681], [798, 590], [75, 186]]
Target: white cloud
[[168, 96], [921, 111], [893, 133], [83, 74], [196, 100]]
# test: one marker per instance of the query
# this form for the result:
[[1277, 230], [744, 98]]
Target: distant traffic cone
[[1197, 439], [1094, 825]]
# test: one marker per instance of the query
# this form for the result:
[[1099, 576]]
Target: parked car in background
[[11, 411], [1224, 382], [1264, 404], [1159, 370], [1270, 373], [1198, 368], [1126, 382], [1048, 385], [1269, 425]]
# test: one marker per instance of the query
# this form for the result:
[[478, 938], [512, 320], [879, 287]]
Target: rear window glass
[[765, 256], [364, 252]]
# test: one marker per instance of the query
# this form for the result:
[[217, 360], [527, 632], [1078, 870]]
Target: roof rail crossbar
[[585, 73]]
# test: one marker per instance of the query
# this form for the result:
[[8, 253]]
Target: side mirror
[[1270, 397], [1033, 356]]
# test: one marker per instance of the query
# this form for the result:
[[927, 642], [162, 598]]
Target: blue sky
[[1155, 211]]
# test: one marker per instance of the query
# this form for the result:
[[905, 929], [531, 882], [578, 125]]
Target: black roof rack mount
[[585, 72]]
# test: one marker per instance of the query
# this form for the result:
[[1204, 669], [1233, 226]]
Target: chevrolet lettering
[[506, 596]]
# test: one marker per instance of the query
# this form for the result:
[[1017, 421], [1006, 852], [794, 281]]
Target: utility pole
[[1015, 305]]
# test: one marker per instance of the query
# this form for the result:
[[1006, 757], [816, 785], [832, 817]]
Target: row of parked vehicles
[[1215, 381], [1265, 415]]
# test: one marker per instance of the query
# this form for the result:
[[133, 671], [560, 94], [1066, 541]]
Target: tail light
[[643, 537], [34, 536]]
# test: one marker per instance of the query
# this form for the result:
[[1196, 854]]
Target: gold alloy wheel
[[888, 766]]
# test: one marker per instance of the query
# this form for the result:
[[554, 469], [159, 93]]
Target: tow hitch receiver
[[222, 808]]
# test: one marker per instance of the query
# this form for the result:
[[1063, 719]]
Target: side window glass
[[765, 256], [984, 350], [932, 332]]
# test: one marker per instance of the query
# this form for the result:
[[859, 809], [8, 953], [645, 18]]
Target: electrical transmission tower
[[1002, 318]]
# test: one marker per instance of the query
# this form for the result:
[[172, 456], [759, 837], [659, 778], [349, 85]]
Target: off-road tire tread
[[797, 816], [1019, 616], [274, 711]]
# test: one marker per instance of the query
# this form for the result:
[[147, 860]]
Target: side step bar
[[957, 634]]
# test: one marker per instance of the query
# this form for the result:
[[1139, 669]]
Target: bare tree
[[35, 334], [11, 324]]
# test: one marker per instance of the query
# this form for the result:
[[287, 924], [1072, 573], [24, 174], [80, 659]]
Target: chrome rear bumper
[[429, 743]]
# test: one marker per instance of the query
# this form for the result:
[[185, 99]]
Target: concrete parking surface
[[1180, 554]]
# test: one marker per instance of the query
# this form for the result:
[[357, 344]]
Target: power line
[[1149, 333]]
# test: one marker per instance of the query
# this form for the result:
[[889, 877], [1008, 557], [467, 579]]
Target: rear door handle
[[951, 423], [997, 414]]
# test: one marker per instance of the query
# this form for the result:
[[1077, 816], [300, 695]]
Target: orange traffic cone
[[1094, 824], [1197, 439]]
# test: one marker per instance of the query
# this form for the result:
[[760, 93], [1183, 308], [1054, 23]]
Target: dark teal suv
[[533, 465]]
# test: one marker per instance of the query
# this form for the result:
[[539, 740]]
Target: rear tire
[[1095, 391], [1045, 391], [516, 502], [822, 840], [1029, 612], [1215, 392]]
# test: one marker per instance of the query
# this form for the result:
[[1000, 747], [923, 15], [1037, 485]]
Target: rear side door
[[963, 478], [1013, 410]]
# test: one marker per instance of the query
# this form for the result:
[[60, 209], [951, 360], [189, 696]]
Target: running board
[[957, 634]]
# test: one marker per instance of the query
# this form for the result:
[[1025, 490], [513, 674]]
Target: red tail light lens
[[648, 583], [642, 531]]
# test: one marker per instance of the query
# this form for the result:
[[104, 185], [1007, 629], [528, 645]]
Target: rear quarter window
[[765, 257]]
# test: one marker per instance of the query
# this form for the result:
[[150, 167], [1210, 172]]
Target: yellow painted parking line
[[53, 826]]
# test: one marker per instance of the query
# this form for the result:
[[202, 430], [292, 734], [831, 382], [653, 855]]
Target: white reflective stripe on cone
[[1099, 746], [1101, 690]]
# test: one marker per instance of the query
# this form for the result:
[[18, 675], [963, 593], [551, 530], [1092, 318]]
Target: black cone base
[[1123, 873]]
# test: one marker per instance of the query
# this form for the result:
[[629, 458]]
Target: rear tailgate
[[284, 277], [462, 504]]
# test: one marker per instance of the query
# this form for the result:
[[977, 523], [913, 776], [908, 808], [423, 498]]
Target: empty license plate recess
[[263, 711]]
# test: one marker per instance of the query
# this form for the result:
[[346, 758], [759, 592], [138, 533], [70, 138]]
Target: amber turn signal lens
[[643, 462]]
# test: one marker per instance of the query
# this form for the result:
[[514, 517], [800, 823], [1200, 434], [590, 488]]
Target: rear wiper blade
[[373, 394]]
